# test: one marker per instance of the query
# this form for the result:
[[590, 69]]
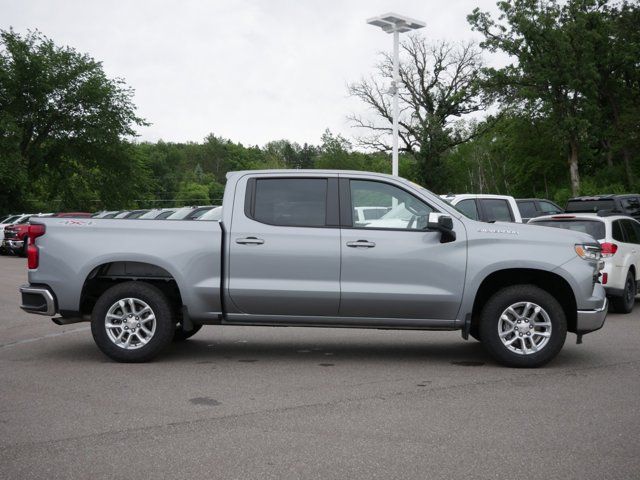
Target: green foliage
[[191, 193]]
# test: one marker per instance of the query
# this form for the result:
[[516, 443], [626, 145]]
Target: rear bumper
[[591, 320], [38, 299]]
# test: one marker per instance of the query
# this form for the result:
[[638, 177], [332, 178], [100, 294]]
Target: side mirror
[[442, 223]]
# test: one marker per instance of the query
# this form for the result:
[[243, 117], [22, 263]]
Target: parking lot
[[239, 402]]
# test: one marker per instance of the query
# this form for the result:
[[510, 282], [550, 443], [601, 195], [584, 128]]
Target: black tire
[[180, 335], [624, 304], [491, 318], [160, 308]]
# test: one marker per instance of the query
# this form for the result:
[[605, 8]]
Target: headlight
[[589, 251]]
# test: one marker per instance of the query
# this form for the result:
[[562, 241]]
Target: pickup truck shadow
[[326, 353]]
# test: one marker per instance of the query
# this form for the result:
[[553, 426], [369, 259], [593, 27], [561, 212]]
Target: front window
[[403, 210]]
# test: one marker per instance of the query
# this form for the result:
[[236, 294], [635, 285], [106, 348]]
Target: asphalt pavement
[[289, 403]]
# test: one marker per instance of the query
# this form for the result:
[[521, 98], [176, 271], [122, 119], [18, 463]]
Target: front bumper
[[591, 320], [37, 299], [12, 244]]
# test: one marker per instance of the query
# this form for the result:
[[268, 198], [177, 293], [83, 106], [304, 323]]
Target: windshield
[[180, 213], [11, 219], [590, 205], [213, 214], [151, 213], [399, 212], [595, 228]]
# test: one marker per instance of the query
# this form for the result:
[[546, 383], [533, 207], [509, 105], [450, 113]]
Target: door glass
[[549, 208], [292, 202], [527, 209], [496, 210], [405, 211], [631, 233], [631, 206], [469, 208]]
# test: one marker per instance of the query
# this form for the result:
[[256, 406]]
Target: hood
[[532, 232]]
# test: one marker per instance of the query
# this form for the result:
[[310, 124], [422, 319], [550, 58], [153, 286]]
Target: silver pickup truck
[[290, 251]]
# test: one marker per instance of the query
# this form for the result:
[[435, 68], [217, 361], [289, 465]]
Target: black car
[[628, 204], [536, 207]]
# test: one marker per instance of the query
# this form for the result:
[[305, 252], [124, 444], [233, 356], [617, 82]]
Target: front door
[[285, 247], [392, 267]]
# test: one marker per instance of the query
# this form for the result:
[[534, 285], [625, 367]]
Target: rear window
[[590, 205], [595, 228], [294, 202]]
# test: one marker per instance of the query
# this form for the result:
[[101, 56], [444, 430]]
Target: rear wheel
[[132, 322], [523, 326], [624, 304]]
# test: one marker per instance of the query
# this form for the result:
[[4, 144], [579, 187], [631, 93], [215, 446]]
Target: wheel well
[[550, 282], [107, 275]]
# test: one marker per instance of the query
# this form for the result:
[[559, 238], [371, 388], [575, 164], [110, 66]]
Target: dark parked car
[[628, 204], [536, 207]]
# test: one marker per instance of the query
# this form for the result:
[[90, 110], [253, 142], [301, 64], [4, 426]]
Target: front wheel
[[523, 326], [624, 304], [132, 322]]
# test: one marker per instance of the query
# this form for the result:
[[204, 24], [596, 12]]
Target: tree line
[[561, 117]]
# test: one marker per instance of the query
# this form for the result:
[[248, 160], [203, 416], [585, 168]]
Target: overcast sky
[[248, 70]]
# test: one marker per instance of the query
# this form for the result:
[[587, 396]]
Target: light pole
[[396, 24]]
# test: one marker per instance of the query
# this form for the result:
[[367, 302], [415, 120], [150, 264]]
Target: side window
[[291, 202], [616, 231], [549, 208], [527, 209], [630, 232], [631, 206], [404, 211], [496, 210], [469, 208]]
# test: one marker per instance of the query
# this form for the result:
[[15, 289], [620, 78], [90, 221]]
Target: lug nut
[[127, 328]]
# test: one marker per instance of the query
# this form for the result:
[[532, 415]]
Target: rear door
[[284, 251], [393, 267], [632, 237]]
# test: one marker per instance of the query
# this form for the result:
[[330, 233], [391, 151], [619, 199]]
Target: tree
[[191, 193], [554, 47], [58, 105], [439, 87]]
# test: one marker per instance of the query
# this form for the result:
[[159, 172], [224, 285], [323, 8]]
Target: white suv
[[619, 238]]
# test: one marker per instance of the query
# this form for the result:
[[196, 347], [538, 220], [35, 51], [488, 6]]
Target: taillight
[[34, 231], [609, 249], [605, 278]]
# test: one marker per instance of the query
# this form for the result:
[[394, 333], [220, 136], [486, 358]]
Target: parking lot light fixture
[[396, 24]]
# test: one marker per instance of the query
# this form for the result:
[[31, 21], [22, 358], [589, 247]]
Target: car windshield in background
[[180, 213], [595, 228], [574, 206], [213, 214]]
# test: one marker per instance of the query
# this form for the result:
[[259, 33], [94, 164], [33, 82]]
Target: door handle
[[361, 243], [250, 241]]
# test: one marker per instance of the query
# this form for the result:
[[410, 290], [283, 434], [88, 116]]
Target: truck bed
[[189, 252]]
